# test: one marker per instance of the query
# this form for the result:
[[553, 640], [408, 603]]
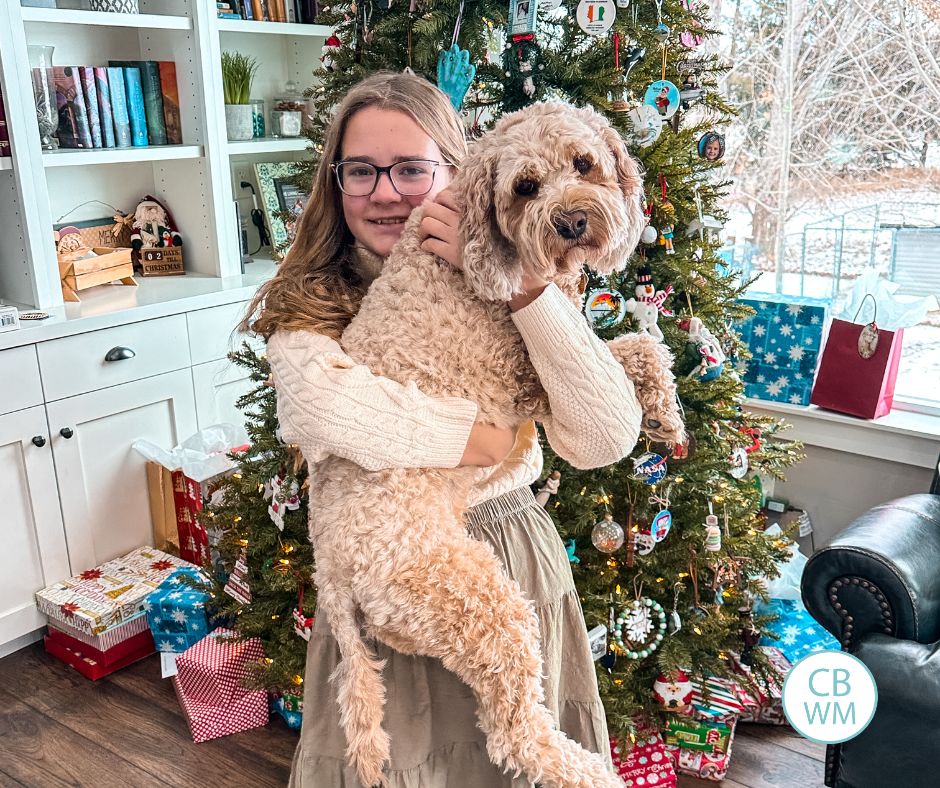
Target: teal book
[[153, 97], [135, 107], [122, 122]]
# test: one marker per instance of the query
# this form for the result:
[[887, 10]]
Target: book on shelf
[[135, 106], [172, 119], [4, 133], [70, 104], [104, 106], [257, 10], [152, 97], [87, 74], [307, 11], [123, 137]]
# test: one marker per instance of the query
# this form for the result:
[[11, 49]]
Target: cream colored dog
[[551, 187]]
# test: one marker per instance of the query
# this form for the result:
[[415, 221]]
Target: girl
[[389, 148]]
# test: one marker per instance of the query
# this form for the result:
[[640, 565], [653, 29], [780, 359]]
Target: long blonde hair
[[316, 287]]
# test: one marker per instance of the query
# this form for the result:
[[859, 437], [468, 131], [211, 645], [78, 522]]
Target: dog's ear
[[490, 263]]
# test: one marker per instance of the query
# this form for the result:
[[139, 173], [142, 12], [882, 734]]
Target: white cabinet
[[33, 550], [101, 479], [217, 386]]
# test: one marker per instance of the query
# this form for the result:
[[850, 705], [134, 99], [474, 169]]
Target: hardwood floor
[[127, 731]]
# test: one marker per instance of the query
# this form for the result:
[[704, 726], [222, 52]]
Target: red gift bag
[[858, 369]]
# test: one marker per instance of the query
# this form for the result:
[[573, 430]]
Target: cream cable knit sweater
[[328, 404]]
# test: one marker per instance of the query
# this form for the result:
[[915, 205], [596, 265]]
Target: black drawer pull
[[66, 432], [119, 354], [39, 440]]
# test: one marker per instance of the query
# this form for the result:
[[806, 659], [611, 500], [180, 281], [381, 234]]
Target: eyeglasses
[[409, 178]]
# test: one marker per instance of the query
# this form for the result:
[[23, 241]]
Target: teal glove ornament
[[455, 74]]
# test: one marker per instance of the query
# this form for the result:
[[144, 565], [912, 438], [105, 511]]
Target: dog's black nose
[[571, 225]]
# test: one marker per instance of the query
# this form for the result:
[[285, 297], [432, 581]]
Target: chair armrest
[[880, 575]]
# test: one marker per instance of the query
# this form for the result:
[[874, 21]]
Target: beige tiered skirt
[[429, 713]]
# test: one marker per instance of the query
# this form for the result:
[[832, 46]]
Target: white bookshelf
[[198, 180]]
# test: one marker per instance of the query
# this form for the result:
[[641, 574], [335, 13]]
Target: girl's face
[[383, 137]]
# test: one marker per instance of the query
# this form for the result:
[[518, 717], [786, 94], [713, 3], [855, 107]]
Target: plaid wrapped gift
[[799, 633], [210, 721], [784, 337], [646, 764], [177, 612], [212, 670], [698, 748], [102, 598], [763, 704], [724, 700]]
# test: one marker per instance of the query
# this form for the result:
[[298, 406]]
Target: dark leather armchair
[[877, 589]]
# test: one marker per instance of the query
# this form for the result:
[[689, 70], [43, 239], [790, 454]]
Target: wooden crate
[[161, 261], [110, 265]]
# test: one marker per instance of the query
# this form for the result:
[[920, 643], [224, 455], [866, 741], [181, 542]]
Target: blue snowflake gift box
[[784, 337], [290, 705], [799, 633], [176, 612]]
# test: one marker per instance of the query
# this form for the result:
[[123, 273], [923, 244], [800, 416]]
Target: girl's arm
[[595, 416], [328, 404]]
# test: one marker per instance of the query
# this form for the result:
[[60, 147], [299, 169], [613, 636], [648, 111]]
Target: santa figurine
[[673, 692], [153, 226], [328, 52], [648, 304], [550, 488]]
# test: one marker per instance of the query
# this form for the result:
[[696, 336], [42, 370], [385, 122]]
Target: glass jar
[[40, 62], [257, 118], [287, 112]]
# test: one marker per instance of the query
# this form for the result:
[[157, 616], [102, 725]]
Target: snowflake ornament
[[640, 628]]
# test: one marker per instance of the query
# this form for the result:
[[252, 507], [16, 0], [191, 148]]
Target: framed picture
[[278, 196]]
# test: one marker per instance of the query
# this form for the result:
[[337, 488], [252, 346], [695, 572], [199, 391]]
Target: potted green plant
[[238, 72]]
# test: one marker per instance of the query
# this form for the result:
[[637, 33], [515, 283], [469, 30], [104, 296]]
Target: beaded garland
[[637, 622]]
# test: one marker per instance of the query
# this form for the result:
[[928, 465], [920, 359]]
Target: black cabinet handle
[[119, 354], [39, 440], [66, 432]]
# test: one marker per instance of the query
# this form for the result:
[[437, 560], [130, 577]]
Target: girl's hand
[[440, 229], [440, 235]]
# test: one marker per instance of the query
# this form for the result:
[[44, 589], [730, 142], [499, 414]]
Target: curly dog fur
[[392, 553]]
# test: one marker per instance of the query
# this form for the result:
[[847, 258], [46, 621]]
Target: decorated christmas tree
[[667, 545]]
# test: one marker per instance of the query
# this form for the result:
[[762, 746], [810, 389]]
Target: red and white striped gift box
[[209, 721], [211, 671], [647, 764], [724, 702]]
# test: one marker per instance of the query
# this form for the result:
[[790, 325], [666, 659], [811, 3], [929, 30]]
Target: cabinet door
[[218, 385], [102, 480], [33, 553]]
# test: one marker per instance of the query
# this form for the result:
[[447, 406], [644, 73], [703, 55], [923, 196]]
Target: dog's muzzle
[[571, 225]]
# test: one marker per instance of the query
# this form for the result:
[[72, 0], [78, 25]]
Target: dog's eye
[[583, 164], [527, 187]]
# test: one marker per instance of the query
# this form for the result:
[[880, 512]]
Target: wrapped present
[[698, 748], [763, 704], [103, 598], [784, 337], [210, 721], [93, 664], [799, 634], [176, 612], [212, 670], [717, 700], [107, 640], [290, 705], [646, 764]]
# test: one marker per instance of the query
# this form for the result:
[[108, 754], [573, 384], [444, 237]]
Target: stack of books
[[124, 104], [296, 11]]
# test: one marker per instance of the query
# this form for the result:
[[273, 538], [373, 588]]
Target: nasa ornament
[[649, 467]]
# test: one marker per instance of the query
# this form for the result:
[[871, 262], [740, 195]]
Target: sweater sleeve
[[595, 416], [329, 404]]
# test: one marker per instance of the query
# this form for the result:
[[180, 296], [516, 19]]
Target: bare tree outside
[[836, 153]]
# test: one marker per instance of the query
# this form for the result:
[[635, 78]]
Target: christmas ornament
[[650, 467], [711, 146], [754, 434], [548, 489], [712, 534], [689, 91], [303, 624], [522, 64], [739, 463], [666, 234], [329, 51], [634, 56], [702, 350], [661, 525], [597, 637], [644, 542], [750, 637], [639, 629], [596, 17], [605, 308], [570, 547], [455, 72], [661, 33], [689, 38], [663, 96], [522, 14], [673, 692], [648, 303], [283, 498], [646, 124], [675, 621], [237, 585], [607, 535], [650, 235]]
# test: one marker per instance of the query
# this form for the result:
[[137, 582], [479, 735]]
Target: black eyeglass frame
[[388, 171]]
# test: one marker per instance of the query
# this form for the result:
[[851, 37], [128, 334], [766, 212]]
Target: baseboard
[[21, 642]]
